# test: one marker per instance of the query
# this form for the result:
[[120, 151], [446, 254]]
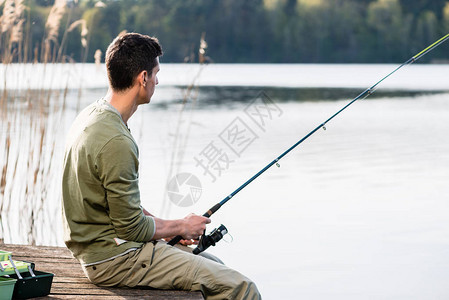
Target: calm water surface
[[358, 211]]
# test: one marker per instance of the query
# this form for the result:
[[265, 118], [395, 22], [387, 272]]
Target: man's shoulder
[[95, 126]]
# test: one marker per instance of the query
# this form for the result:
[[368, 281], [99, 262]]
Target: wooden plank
[[61, 279], [70, 282], [38, 251], [191, 296], [37, 260], [115, 291], [61, 270]]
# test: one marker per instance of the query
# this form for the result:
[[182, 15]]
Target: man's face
[[151, 83]]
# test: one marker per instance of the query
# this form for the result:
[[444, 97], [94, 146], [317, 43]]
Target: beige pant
[[161, 266]]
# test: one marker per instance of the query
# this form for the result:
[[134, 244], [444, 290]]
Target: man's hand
[[194, 226], [190, 228]]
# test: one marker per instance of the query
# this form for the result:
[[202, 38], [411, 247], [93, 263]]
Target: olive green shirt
[[100, 187]]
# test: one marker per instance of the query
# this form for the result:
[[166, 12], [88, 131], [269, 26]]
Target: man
[[117, 242]]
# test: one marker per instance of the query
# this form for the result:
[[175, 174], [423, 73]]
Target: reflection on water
[[231, 95], [357, 211]]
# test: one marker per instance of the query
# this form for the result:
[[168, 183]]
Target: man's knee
[[241, 287], [248, 290]]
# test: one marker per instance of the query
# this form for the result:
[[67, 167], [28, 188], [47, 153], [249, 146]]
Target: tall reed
[[182, 131], [32, 127], [52, 25]]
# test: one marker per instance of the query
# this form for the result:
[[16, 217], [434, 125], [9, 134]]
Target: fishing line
[[369, 91]]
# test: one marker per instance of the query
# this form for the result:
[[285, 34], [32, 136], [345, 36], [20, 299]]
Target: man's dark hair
[[128, 55]]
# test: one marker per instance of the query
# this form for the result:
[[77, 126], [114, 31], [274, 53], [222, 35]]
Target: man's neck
[[124, 102]]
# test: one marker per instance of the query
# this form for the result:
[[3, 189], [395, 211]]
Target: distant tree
[[427, 28], [280, 31], [446, 18], [390, 30]]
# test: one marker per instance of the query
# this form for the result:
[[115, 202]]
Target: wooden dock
[[70, 282]]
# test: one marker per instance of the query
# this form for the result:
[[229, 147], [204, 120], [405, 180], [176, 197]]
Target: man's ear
[[143, 78]]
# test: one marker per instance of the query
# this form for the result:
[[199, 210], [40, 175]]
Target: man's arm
[[130, 220], [191, 227], [117, 168]]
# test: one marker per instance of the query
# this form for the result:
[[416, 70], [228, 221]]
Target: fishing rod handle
[[212, 210], [207, 214], [175, 240]]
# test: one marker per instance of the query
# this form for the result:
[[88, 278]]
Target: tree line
[[236, 31]]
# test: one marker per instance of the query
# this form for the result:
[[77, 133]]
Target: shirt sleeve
[[117, 166]]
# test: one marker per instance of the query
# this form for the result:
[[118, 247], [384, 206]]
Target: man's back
[[101, 185]]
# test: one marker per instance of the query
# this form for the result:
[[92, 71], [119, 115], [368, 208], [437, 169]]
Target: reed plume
[[12, 18], [100, 4], [11, 29], [84, 31], [97, 57], [19, 9], [202, 50], [52, 25], [17, 32], [54, 19], [8, 16]]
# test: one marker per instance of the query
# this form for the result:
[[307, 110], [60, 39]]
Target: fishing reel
[[211, 239]]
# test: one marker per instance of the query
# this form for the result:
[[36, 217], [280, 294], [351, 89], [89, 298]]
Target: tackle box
[[6, 288], [30, 286], [4, 255], [20, 280]]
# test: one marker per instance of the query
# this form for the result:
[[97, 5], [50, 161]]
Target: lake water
[[357, 211]]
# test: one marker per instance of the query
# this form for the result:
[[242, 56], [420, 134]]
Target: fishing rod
[[218, 233]]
